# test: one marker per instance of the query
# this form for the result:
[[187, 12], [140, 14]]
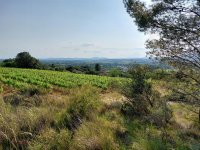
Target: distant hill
[[79, 61], [105, 62]]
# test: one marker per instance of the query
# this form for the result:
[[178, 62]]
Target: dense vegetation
[[177, 24], [49, 79], [22, 60], [151, 109], [87, 117]]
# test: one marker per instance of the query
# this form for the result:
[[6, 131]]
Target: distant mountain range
[[98, 60]]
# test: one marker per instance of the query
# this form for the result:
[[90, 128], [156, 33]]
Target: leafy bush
[[8, 63], [141, 96], [25, 60], [156, 144]]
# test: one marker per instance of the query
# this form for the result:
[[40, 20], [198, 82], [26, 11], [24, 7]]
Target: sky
[[69, 29]]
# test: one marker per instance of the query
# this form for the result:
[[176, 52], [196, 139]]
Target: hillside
[[59, 110], [82, 75]]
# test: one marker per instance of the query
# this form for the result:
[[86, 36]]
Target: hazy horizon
[[69, 29], [1, 58]]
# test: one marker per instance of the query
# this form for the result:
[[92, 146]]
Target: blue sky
[[69, 28]]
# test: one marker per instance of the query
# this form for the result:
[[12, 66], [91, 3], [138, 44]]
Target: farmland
[[49, 79], [79, 76]]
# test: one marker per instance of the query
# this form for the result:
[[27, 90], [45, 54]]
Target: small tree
[[177, 24], [97, 67], [25, 60], [115, 72], [139, 92], [9, 63]]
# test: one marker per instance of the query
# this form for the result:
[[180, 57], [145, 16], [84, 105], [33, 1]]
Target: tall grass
[[83, 104], [78, 119]]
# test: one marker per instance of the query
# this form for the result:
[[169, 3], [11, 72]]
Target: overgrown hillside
[[59, 111]]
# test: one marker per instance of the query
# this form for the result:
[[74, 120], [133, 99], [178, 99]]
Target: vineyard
[[49, 79]]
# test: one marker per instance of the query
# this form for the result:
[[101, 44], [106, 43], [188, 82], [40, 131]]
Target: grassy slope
[[36, 119]]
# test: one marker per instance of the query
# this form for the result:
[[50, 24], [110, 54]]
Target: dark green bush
[[141, 97], [31, 91], [23, 100]]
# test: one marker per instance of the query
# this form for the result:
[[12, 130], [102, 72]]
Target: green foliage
[[161, 114], [171, 20], [22, 60], [25, 60], [83, 69], [24, 77], [177, 21], [82, 105], [84, 102], [20, 123], [156, 144], [93, 125], [51, 140], [9, 63], [97, 67], [139, 92], [158, 74], [76, 119], [114, 73], [98, 134]]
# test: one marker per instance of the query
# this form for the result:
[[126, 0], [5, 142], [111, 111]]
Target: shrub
[[82, 105], [10, 135], [32, 91], [98, 134], [114, 85], [141, 97], [156, 144], [52, 140], [160, 114], [21, 100], [9, 63]]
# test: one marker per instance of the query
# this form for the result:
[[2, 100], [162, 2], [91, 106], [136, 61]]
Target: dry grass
[[98, 134], [35, 127], [112, 97], [184, 115]]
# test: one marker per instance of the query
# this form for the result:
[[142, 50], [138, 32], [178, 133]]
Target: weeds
[[50, 139], [77, 119], [82, 105]]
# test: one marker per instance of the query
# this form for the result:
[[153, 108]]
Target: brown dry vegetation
[[87, 118]]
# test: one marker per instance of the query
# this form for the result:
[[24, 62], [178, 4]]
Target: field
[[49, 79]]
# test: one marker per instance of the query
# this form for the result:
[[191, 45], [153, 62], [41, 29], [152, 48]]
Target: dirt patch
[[112, 97]]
